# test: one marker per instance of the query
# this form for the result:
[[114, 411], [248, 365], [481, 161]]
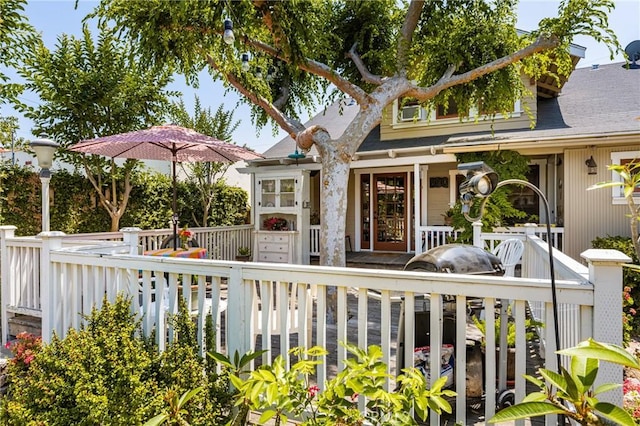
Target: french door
[[389, 200]]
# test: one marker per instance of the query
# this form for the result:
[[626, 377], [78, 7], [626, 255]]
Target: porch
[[58, 277]]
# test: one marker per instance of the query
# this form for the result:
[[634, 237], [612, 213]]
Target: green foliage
[[94, 86], [576, 388], [105, 373], [498, 210], [511, 329], [17, 37], [205, 177], [75, 208], [280, 393], [630, 279], [96, 375]]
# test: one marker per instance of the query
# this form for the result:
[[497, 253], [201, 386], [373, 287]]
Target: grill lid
[[456, 259]]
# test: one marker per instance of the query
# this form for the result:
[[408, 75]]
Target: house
[[404, 175]]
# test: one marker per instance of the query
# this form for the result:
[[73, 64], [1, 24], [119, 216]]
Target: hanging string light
[[259, 72], [270, 73], [228, 36], [245, 62]]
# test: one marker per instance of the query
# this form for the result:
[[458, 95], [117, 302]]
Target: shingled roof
[[599, 100]]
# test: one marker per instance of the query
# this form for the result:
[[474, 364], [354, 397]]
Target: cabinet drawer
[[273, 247], [274, 257], [273, 238]]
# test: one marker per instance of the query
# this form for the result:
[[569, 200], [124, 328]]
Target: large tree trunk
[[333, 209]]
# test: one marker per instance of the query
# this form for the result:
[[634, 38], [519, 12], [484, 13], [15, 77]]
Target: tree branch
[[319, 69], [362, 68], [541, 44], [285, 92], [293, 127], [406, 34]]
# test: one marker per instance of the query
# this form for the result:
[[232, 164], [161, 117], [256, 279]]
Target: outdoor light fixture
[[245, 62], [296, 155], [44, 149], [259, 72], [481, 181], [592, 166], [270, 73], [228, 36]]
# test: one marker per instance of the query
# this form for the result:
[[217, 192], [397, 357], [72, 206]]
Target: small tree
[[629, 181], [91, 88], [205, 174]]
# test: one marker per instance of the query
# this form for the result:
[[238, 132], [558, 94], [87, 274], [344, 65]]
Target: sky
[[54, 17]]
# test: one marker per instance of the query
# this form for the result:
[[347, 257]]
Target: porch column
[[130, 238], [416, 209], [7, 231], [50, 290], [605, 273]]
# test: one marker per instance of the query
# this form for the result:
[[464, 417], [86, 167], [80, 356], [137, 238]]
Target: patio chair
[[168, 242], [509, 252]]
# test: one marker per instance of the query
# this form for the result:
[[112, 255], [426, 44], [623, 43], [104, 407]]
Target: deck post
[[50, 291], [130, 238], [477, 234], [239, 305], [7, 231], [605, 273]]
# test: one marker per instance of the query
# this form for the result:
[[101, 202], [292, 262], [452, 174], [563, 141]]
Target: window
[[450, 112], [624, 157], [411, 110]]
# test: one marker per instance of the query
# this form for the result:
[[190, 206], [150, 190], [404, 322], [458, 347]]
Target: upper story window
[[408, 112], [621, 158], [450, 111]]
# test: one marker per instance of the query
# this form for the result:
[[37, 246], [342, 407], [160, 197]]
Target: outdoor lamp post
[[481, 181], [44, 149]]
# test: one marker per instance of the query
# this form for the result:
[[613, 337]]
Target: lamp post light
[[481, 181], [44, 149]]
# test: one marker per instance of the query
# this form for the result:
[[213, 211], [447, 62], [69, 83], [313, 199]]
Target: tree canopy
[[374, 52], [17, 36]]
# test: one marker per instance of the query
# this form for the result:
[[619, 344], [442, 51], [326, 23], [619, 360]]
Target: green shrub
[[631, 280], [107, 374], [97, 375]]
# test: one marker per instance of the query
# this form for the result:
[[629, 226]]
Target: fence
[[248, 299]]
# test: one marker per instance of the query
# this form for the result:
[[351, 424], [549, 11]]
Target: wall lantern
[[592, 166]]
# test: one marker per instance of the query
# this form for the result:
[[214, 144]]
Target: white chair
[[509, 252]]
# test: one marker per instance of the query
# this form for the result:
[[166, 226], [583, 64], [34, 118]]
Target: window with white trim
[[409, 112], [623, 157]]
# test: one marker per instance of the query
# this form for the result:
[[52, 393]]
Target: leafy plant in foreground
[[280, 393], [571, 393]]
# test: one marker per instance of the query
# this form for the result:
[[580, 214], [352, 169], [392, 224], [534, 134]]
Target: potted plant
[[448, 217], [244, 254], [511, 340], [275, 224]]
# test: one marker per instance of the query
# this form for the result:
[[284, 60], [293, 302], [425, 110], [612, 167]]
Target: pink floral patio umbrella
[[170, 143]]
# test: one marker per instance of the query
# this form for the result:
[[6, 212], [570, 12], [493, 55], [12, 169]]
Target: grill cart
[[459, 259]]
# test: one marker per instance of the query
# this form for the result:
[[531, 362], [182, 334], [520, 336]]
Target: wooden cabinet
[[278, 194], [275, 246], [281, 216]]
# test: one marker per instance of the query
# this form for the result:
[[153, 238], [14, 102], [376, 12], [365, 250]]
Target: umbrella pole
[[174, 218]]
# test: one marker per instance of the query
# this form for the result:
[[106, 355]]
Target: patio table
[[190, 253]]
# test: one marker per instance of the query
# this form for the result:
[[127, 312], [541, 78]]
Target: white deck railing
[[221, 242], [248, 299]]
